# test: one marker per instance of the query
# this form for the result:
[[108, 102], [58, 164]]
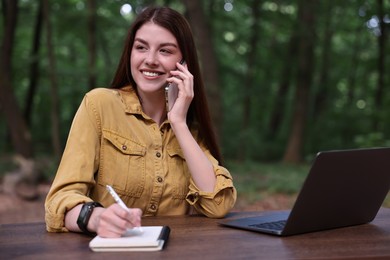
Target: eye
[[166, 51], [139, 47]]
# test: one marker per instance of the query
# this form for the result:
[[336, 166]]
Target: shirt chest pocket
[[122, 164]]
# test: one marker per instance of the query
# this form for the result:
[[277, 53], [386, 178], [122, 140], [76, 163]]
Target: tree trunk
[[54, 111], [306, 27], [106, 56], [322, 95], [19, 132], [281, 96], [381, 64], [92, 43], [22, 181], [208, 59], [34, 66], [249, 83], [357, 47]]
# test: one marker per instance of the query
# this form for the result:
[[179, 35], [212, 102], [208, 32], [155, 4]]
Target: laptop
[[343, 188]]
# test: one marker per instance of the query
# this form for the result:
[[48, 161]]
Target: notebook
[[343, 188], [152, 238]]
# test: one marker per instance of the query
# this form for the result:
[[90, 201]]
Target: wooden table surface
[[198, 237]]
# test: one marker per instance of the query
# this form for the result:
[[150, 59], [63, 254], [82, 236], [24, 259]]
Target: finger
[[181, 66], [128, 218], [136, 217], [111, 224], [182, 78], [184, 74], [111, 231]]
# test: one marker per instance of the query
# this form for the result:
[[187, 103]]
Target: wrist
[[179, 126], [85, 215], [95, 219]]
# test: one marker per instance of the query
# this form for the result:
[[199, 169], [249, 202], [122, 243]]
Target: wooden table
[[198, 237]]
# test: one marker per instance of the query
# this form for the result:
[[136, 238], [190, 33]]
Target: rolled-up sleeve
[[75, 175], [218, 203]]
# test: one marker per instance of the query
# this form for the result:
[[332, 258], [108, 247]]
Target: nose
[[151, 59]]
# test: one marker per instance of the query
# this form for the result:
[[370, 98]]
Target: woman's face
[[154, 54]]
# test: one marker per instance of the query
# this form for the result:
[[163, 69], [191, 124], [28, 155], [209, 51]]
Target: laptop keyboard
[[277, 225]]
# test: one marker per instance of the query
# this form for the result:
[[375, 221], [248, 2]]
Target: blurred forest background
[[285, 79]]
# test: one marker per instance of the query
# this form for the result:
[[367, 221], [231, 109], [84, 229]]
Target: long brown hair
[[174, 22]]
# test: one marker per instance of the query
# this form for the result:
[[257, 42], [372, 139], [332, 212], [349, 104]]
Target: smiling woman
[[159, 162], [152, 60]]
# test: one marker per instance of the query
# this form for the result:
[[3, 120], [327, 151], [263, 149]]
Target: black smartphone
[[171, 93]]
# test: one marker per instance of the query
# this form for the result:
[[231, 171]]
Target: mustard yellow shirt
[[111, 141]]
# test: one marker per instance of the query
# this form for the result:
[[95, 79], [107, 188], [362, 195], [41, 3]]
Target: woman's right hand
[[114, 220]]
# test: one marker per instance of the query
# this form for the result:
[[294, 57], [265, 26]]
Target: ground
[[15, 210]]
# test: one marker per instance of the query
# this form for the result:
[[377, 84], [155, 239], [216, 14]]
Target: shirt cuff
[[224, 181]]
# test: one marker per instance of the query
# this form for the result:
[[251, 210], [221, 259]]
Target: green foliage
[[344, 121], [254, 179], [371, 139]]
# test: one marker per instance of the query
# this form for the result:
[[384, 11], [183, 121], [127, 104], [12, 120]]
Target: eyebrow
[[161, 45]]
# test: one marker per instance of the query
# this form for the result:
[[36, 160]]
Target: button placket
[[158, 182]]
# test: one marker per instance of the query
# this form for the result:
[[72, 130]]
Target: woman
[[159, 162]]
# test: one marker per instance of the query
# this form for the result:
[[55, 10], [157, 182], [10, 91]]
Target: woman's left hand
[[185, 83]]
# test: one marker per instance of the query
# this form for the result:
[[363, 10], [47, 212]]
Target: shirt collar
[[132, 102]]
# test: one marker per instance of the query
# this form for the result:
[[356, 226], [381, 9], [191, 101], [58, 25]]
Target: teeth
[[150, 74]]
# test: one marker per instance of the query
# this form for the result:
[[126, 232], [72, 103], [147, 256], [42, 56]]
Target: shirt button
[[158, 154], [159, 179], [153, 207], [194, 197], [124, 147]]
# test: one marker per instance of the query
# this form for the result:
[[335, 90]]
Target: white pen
[[121, 203]]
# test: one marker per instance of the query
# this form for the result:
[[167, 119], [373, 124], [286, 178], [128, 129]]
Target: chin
[[151, 89]]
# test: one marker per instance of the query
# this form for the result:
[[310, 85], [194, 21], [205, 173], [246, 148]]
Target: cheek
[[133, 64]]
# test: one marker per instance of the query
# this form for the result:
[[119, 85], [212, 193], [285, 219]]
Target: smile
[[150, 74]]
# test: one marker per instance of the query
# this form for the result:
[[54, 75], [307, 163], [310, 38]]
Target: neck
[[154, 107]]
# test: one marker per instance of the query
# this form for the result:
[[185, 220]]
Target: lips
[[151, 73]]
